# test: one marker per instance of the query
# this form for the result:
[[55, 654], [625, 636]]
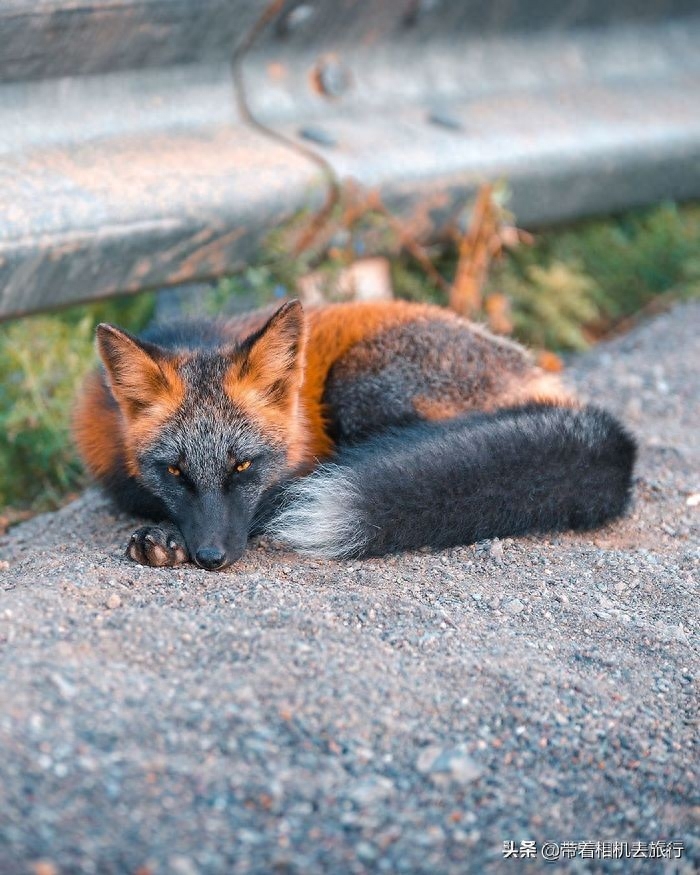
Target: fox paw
[[157, 546]]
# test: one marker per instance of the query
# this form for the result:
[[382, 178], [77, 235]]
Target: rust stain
[[213, 256], [329, 77], [277, 71]]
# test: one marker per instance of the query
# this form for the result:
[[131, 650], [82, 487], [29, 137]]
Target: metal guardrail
[[131, 157]]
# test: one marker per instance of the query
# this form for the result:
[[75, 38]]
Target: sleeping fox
[[347, 430]]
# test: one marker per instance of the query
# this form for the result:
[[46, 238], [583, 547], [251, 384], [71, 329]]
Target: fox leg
[[158, 546]]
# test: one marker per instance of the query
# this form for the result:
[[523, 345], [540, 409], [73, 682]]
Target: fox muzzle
[[216, 530]]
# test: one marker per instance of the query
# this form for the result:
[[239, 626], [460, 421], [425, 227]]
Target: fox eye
[[174, 470], [237, 465]]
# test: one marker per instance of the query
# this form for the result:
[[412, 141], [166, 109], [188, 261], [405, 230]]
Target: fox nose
[[211, 558]]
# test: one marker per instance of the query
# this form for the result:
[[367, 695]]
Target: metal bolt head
[[295, 18], [330, 77]]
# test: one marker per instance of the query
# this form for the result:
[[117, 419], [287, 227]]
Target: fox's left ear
[[272, 360]]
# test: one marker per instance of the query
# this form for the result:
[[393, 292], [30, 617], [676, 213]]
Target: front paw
[[157, 546]]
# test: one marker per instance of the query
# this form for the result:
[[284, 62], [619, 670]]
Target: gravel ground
[[409, 714]]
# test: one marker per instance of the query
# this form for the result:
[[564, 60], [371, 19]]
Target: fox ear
[[272, 360], [139, 373]]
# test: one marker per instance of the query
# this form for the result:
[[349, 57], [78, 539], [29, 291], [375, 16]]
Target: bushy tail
[[535, 468]]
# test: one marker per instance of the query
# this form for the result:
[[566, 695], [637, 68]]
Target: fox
[[343, 430]]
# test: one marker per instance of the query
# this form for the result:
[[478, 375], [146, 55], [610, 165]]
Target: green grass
[[42, 361], [574, 285]]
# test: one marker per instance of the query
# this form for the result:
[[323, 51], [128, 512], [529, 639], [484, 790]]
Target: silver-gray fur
[[320, 514]]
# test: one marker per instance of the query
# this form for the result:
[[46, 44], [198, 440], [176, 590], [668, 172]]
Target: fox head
[[207, 431]]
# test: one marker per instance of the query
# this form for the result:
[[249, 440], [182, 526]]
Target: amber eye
[[174, 470], [243, 466]]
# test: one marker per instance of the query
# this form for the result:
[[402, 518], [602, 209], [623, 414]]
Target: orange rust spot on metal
[[330, 78], [315, 82], [213, 257], [277, 71]]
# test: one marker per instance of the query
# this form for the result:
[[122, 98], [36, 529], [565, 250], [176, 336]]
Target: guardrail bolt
[[295, 18], [330, 77]]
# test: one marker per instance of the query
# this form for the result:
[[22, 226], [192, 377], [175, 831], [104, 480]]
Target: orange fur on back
[[332, 331]]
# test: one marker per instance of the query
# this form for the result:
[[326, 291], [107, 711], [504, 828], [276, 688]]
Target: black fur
[[195, 334], [536, 468], [131, 497]]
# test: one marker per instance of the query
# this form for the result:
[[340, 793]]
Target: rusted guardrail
[[131, 157]]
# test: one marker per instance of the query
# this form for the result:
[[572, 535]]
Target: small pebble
[[513, 606], [371, 791], [114, 601], [496, 550]]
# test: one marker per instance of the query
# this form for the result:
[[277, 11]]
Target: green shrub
[[42, 362], [576, 283]]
